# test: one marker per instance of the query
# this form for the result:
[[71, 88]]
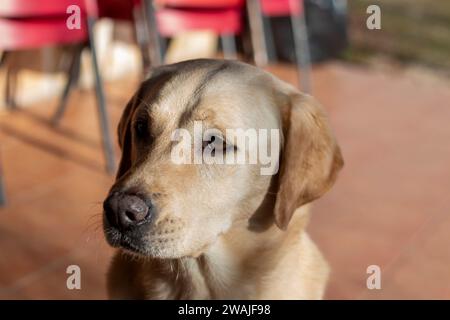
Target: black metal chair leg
[[101, 104], [142, 38], [2, 188], [10, 88], [269, 40], [256, 22], [228, 46], [2, 192], [72, 78], [302, 53], [156, 46]]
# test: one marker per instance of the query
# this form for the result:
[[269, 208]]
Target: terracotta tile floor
[[389, 207]]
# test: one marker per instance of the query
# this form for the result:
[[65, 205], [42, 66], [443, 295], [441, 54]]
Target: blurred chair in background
[[35, 24], [131, 11], [262, 40], [122, 10], [223, 17]]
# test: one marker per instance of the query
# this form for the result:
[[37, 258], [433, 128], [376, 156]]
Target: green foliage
[[411, 31]]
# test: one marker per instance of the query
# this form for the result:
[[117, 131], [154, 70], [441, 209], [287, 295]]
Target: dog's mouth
[[130, 241], [137, 242], [130, 247]]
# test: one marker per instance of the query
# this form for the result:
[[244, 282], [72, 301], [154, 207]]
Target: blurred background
[[68, 68]]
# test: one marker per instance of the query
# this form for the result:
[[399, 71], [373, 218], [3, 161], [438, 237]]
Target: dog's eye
[[140, 127], [216, 142], [209, 142], [212, 143]]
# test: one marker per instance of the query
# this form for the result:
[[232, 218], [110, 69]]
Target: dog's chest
[[213, 276]]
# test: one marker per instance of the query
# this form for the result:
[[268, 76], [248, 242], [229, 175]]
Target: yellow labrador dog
[[210, 230]]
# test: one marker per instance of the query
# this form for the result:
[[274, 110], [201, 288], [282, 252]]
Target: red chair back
[[42, 8], [26, 24], [172, 21], [118, 9], [202, 4], [223, 17], [274, 8]]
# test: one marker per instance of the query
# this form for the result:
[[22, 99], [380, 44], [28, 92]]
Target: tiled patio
[[389, 207]]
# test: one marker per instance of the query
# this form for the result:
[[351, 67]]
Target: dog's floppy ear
[[310, 159], [124, 136]]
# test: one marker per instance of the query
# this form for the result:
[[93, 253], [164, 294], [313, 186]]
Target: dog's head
[[165, 208]]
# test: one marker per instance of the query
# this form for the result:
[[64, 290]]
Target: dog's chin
[[138, 246]]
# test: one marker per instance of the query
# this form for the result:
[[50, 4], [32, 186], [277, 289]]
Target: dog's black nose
[[125, 211]]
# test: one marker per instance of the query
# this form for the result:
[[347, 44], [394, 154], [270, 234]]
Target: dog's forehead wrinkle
[[150, 89], [183, 95], [184, 90], [175, 96]]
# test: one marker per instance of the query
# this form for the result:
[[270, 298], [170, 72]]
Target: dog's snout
[[125, 211]]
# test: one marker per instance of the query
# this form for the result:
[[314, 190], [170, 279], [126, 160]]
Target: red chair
[[28, 24], [124, 10], [258, 9], [195, 4], [131, 11], [224, 17]]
